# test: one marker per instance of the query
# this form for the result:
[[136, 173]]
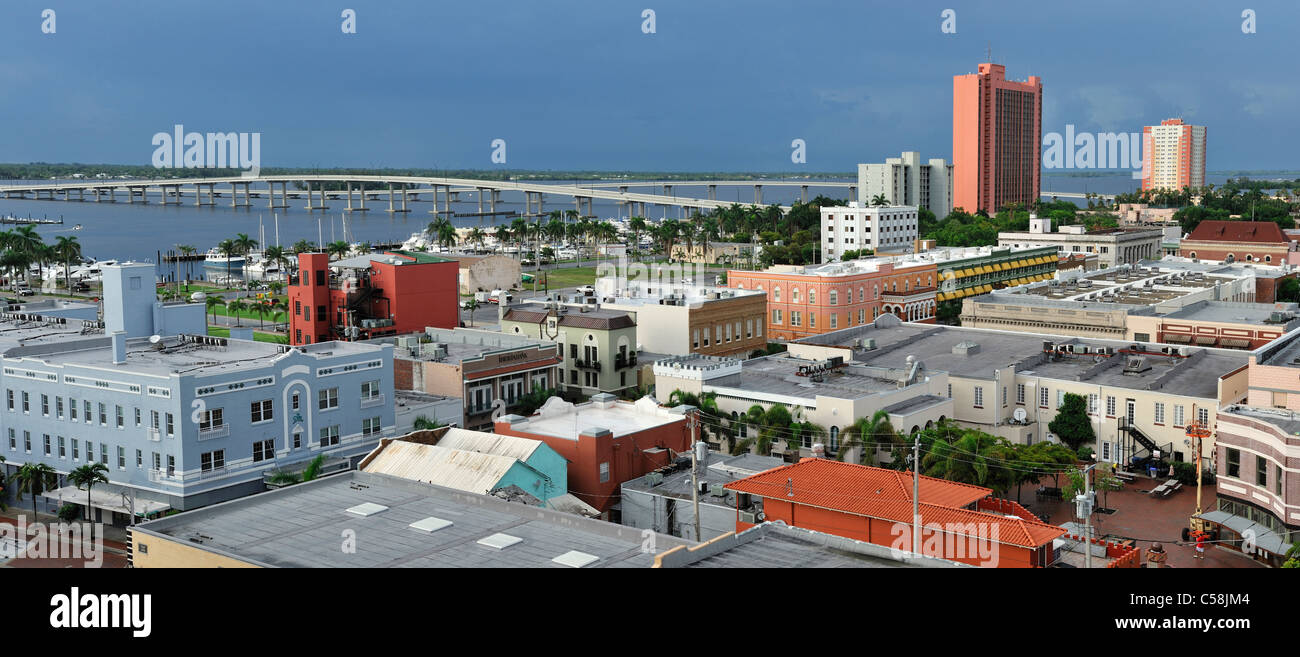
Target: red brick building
[[1238, 241], [960, 522], [371, 296], [606, 442]]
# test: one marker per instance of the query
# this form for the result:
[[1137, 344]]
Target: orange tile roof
[[851, 487], [887, 495]]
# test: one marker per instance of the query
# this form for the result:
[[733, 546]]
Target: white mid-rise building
[[906, 180], [1173, 155], [887, 229]]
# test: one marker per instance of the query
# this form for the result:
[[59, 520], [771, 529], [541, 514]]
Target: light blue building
[[180, 419]]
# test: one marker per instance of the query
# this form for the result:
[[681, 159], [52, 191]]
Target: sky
[[720, 85]]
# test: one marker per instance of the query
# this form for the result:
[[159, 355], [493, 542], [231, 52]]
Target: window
[[1261, 471], [1159, 413], [103, 414], [776, 294], [27, 442], [211, 419], [1043, 396], [329, 436], [706, 336], [9, 395], [1203, 416], [306, 313], [45, 405], [749, 328], [139, 459], [1110, 406], [293, 400], [46, 441], [27, 406], [812, 320], [1234, 462], [297, 439], [103, 453], [370, 426], [76, 448], [137, 417], [1060, 398], [695, 339], [263, 450], [795, 319], [13, 441], [794, 295], [604, 472], [261, 411], [1105, 451], [90, 452], [776, 315], [812, 296], [121, 419], [369, 390], [63, 447], [329, 398], [979, 396], [157, 461], [834, 297], [834, 320], [208, 461], [1020, 393], [1277, 480], [1004, 396], [1178, 415], [171, 465], [121, 458], [1092, 404], [85, 406]]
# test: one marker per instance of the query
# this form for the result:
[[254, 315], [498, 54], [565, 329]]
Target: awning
[[941, 296], [985, 288], [1001, 266], [1021, 263], [108, 500], [985, 270], [1206, 339], [966, 272], [1178, 337], [1239, 343], [1265, 538]]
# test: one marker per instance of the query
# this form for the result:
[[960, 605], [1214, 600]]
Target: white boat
[[261, 266], [216, 259], [90, 272]]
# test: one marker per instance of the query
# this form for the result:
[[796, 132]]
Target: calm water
[[137, 232]]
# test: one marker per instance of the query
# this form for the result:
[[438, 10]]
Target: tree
[[1071, 424], [471, 305], [35, 478], [770, 424], [1288, 290], [234, 307], [244, 243], [879, 200], [871, 434], [974, 457], [212, 302], [86, 476], [67, 249], [313, 469], [423, 423], [228, 249], [337, 249], [442, 232]]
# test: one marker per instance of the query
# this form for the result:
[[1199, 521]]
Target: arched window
[[835, 440], [812, 295], [1250, 257], [776, 294], [875, 291], [794, 295], [862, 294], [835, 297], [1268, 258]]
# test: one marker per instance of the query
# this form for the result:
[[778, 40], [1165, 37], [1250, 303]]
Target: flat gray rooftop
[[177, 356], [463, 344], [778, 374], [301, 526], [1287, 421], [19, 333], [720, 470], [1196, 376], [1228, 311]]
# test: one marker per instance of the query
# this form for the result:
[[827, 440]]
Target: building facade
[[905, 180], [1112, 246], [371, 296], [485, 273], [859, 227], [598, 347], [1173, 155], [1238, 241], [679, 319], [996, 140]]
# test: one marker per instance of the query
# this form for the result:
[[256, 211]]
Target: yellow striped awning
[[942, 296], [966, 272], [984, 269], [1022, 263]]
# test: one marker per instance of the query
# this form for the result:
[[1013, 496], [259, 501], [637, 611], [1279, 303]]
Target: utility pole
[[1083, 508], [916, 495], [696, 446]]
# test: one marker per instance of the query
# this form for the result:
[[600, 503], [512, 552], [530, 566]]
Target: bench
[[1124, 476], [1159, 491]]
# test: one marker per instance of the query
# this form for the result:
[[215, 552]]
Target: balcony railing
[[587, 365], [621, 361], [375, 400], [161, 476], [153, 434], [219, 431]]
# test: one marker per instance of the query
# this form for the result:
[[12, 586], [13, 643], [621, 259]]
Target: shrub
[[69, 512]]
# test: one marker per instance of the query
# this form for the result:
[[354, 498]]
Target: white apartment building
[[1173, 155], [888, 229], [905, 180]]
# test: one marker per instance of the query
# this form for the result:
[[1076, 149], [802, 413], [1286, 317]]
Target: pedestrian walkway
[[114, 543]]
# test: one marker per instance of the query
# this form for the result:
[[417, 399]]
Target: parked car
[[587, 290]]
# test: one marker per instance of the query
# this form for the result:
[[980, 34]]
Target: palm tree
[[86, 476], [471, 305], [186, 250], [870, 434], [67, 250], [244, 243], [502, 235], [303, 246], [15, 262], [770, 424], [35, 478], [476, 236], [423, 423], [229, 249], [337, 249], [879, 200], [443, 232], [276, 255], [637, 225], [213, 301], [233, 308]]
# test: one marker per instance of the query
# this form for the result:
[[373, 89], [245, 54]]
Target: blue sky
[[721, 84]]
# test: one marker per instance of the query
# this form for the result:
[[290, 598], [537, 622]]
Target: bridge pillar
[[362, 191], [404, 199], [713, 192], [803, 193], [622, 189], [668, 190], [349, 188], [853, 192], [97, 193], [758, 194]]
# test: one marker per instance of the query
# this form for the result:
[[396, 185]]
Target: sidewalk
[[114, 542]]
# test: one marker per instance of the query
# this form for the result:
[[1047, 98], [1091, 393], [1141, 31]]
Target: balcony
[[621, 361], [161, 476], [372, 401], [587, 365], [219, 431]]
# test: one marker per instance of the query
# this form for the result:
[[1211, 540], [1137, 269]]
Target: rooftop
[[600, 319], [460, 344], [390, 258], [719, 471], [470, 471], [1230, 311], [1196, 375], [411, 525], [775, 545], [184, 354], [21, 329], [562, 419], [1265, 232]]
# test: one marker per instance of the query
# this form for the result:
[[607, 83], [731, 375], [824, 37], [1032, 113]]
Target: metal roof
[[472, 472], [489, 443]]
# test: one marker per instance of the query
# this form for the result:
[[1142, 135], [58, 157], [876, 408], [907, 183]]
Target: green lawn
[[248, 314], [258, 336], [566, 277]]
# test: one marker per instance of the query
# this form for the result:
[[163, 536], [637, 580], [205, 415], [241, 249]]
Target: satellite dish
[[155, 339], [1020, 415]]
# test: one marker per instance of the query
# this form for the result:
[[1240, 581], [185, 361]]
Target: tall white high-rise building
[[906, 180], [1173, 155]]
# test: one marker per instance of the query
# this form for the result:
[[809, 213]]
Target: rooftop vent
[[1136, 365], [430, 524], [576, 559], [367, 509], [499, 541], [966, 348]]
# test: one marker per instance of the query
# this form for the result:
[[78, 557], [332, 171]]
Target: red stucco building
[[606, 441], [996, 139], [370, 296]]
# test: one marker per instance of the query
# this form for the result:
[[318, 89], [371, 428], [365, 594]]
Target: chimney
[[119, 347]]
